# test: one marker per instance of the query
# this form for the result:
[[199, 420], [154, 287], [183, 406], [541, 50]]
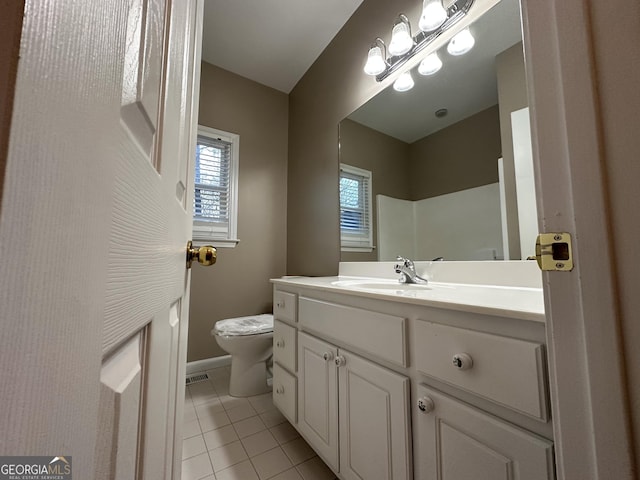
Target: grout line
[[225, 410]]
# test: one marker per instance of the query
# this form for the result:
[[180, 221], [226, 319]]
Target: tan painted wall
[[10, 30], [331, 89], [238, 284], [461, 156], [387, 159], [512, 95]]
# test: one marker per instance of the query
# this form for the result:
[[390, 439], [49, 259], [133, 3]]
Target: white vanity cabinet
[[354, 412], [395, 390]]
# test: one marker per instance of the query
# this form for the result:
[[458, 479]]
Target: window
[[215, 187], [355, 209]]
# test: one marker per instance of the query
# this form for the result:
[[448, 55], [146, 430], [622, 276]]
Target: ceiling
[[272, 42]]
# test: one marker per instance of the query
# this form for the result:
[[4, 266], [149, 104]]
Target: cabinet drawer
[[457, 441], [505, 370], [284, 345], [285, 393], [284, 306], [379, 334]]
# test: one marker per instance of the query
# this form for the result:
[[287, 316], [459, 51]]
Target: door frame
[[588, 387]]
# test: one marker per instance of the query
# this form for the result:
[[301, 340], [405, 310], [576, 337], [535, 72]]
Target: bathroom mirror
[[450, 160]]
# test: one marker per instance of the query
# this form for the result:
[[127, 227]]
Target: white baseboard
[[208, 364]]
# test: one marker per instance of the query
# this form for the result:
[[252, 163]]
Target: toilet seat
[[242, 326]]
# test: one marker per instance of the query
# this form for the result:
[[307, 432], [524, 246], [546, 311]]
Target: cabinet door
[[459, 442], [375, 433], [318, 396]]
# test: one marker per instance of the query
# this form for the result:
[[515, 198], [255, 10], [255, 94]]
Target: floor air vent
[[198, 377]]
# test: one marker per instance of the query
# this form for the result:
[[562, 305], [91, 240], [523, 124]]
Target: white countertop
[[526, 303]]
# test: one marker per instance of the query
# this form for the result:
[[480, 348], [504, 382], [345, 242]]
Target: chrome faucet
[[407, 271]]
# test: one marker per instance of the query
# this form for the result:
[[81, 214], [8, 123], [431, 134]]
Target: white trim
[[199, 241], [503, 210], [586, 368], [205, 364], [358, 249]]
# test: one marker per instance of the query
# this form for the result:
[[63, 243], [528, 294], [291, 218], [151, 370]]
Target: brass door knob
[[205, 255]]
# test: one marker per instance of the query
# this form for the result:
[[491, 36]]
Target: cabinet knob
[[280, 304], [426, 405], [327, 356], [340, 360], [462, 361], [280, 343], [279, 389]]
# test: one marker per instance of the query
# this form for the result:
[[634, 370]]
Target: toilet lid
[[252, 325]]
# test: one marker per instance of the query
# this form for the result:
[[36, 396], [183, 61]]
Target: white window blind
[[215, 185], [355, 208]]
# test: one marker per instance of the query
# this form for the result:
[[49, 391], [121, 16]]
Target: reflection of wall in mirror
[[456, 158], [462, 225], [387, 160]]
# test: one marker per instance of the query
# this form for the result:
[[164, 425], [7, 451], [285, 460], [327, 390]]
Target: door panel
[[181, 97], [142, 72], [161, 386], [119, 419]]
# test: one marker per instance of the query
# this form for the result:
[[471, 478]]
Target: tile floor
[[227, 438]]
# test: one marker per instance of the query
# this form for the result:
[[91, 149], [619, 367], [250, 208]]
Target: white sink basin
[[382, 284]]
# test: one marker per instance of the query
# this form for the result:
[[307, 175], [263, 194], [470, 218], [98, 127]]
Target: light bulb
[[403, 83], [401, 41], [375, 61], [461, 43], [433, 15], [430, 65]]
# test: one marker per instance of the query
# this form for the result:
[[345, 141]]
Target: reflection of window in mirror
[[355, 209]]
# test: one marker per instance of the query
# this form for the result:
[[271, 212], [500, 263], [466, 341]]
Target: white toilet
[[249, 341]]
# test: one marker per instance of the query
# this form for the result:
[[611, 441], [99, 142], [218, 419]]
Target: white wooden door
[[318, 396], [458, 442], [95, 220], [375, 419]]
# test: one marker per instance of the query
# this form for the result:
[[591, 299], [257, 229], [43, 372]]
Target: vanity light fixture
[[403, 46], [433, 15], [461, 43], [401, 40], [376, 63], [403, 83], [430, 64]]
